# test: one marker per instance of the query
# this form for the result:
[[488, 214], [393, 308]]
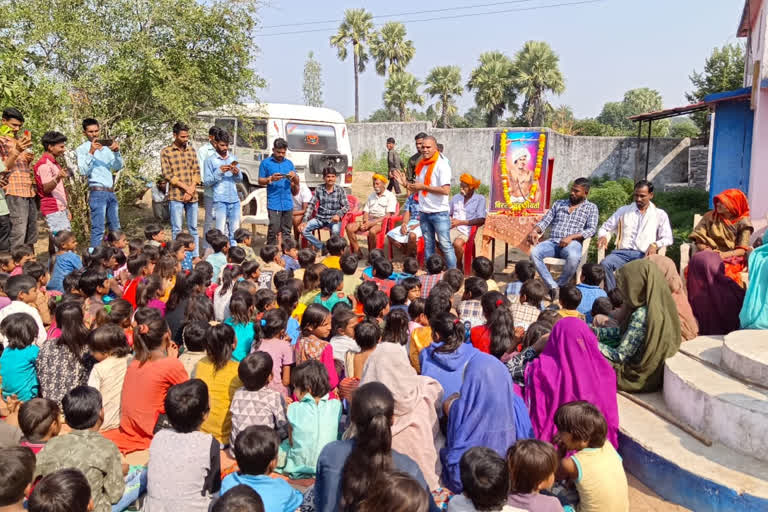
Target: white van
[[317, 137]]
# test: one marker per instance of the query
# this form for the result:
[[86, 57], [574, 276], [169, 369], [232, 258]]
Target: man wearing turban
[[380, 203], [467, 209]]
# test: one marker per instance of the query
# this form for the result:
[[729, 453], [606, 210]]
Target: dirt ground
[[134, 218]]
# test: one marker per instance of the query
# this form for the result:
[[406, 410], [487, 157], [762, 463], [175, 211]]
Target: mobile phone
[[106, 142], [234, 163]]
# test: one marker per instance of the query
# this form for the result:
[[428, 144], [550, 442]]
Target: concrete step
[[713, 402], [706, 347], [745, 353], [683, 470]]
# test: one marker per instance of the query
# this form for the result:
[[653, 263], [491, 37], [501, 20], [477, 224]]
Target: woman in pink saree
[[570, 368]]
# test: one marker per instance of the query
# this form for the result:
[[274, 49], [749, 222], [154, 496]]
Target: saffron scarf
[[431, 162], [736, 203]]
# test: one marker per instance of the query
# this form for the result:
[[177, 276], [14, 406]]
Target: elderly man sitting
[[380, 203], [467, 209]]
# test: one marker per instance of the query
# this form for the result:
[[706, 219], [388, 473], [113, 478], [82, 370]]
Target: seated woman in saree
[[570, 368], [487, 412], [689, 327], [415, 428], [726, 230], [649, 332], [754, 312]]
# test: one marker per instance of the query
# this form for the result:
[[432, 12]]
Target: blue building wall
[[731, 147]]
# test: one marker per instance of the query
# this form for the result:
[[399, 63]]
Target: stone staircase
[[718, 386]]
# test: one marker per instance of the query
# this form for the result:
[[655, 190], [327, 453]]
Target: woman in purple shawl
[[715, 298], [570, 368], [486, 413]]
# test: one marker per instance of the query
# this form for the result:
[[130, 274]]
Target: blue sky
[[605, 48]]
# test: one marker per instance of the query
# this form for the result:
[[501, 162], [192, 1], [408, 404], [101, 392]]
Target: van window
[[310, 137], [252, 133], [226, 124]]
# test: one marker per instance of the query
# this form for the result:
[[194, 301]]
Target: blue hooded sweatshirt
[[447, 367]]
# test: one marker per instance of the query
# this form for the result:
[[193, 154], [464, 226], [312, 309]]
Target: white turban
[[519, 153]]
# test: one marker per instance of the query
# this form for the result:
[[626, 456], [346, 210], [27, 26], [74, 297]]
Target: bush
[[369, 163]]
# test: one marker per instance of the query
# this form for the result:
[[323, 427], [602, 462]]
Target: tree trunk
[[357, 86], [402, 114], [445, 112]]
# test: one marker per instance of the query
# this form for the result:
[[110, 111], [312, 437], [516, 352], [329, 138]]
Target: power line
[[402, 13], [567, 4]]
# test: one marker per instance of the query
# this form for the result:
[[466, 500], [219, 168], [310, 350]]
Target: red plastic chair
[[469, 250], [393, 220], [350, 216]]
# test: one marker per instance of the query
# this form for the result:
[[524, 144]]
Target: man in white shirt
[[641, 230], [433, 183], [467, 210], [379, 204]]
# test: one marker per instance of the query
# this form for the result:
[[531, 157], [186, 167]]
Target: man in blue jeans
[[203, 153], [433, 184], [328, 204], [179, 166], [99, 163], [572, 220], [222, 175], [278, 174]]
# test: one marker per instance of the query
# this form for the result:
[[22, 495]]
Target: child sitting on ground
[[595, 468], [376, 307], [362, 292], [188, 242], [373, 255], [241, 309], [65, 261], [524, 272], [416, 315], [470, 310], [256, 450], [348, 265], [257, 403], [315, 329], [244, 238], [382, 270], [85, 449], [274, 343], [16, 474], [410, 269], [154, 235], [570, 298], [343, 329], [435, 267], [18, 360], [66, 490], [412, 286], [335, 247], [109, 346], [39, 421], [22, 290], [287, 300], [485, 479], [532, 466], [306, 258], [184, 469], [314, 420], [220, 246], [272, 262], [290, 254], [482, 267], [193, 337], [331, 286], [592, 276], [37, 272], [21, 255], [138, 270], [148, 294], [528, 307], [602, 313], [398, 298], [497, 335]]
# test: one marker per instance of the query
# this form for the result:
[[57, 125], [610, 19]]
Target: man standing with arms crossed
[[98, 163], [433, 183], [278, 174], [179, 166]]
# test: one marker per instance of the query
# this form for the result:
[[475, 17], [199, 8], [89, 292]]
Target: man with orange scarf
[[433, 182], [467, 209]]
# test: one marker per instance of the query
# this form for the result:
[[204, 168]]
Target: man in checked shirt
[[180, 168], [572, 220], [328, 204]]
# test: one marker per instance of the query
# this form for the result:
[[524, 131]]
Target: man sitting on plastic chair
[[467, 210], [328, 205], [573, 220], [379, 204]]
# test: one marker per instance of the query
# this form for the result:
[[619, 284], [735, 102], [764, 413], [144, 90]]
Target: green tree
[[135, 68], [562, 120], [537, 73], [474, 117], [723, 71], [636, 101], [683, 127], [613, 115], [356, 31], [382, 115], [400, 90], [492, 83], [313, 82], [444, 82], [390, 48], [593, 127]]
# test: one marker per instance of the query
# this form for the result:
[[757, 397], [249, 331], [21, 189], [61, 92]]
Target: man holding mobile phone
[[20, 190], [179, 166], [99, 164], [222, 175], [278, 174]]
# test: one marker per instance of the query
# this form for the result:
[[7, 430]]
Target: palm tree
[[390, 49], [444, 82], [537, 73], [355, 30], [491, 81], [400, 89]]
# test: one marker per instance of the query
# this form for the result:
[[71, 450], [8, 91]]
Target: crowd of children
[[232, 380]]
